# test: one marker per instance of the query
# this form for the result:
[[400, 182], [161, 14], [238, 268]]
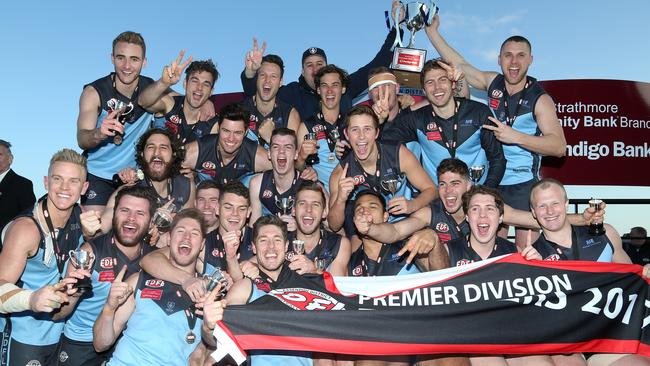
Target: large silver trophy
[[82, 259], [285, 204], [215, 278], [409, 60]]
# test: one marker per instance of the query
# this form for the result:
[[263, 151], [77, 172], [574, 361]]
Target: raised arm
[[256, 205], [393, 232], [252, 63], [419, 178], [476, 78], [339, 266], [88, 134], [154, 98], [341, 187], [117, 310]]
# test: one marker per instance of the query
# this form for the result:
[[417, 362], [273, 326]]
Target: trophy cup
[[390, 184], [298, 246], [476, 173], [123, 109], [215, 278], [284, 204], [408, 61], [82, 259], [163, 217], [313, 158], [332, 138], [596, 229]]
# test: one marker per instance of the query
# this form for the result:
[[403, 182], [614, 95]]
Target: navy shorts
[[98, 192], [518, 195], [21, 354], [77, 353]]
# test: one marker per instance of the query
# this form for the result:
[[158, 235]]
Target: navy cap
[[313, 51]]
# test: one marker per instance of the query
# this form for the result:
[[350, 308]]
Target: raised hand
[[529, 252], [362, 221], [381, 107], [231, 242], [213, 309], [110, 125], [309, 173], [120, 291], [453, 73], [254, 58], [399, 205], [301, 264], [502, 131], [346, 186], [91, 222], [421, 242], [249, 269], [172, 73], [194, 287]]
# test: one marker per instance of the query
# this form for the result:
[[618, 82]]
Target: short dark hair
[[639, 233], [361, 110], [208, 184], [370, 192], [283, 131], [237, 188], [308, 185], [269, 220], [431, 65], [190, 213], [178, 152], [453, 165], [234, 112], [520, 39], [200, 66], [331, 69], [379, 70], [147, 193], [130, 37], [275, 59], [481, 189]]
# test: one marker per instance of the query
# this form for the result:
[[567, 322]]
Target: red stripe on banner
[[583, 266], [330, 284], [351, 347]]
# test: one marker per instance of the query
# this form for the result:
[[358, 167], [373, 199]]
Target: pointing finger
[[120, 276]]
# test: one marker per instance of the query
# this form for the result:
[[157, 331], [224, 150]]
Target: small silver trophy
[[390, 184], [596, 228], [333, 137], [321, 264], [313, 158], [163, 217], [476, 173], [82, 259], [285, 204], [298, 246], [215, 278], [123, 109]]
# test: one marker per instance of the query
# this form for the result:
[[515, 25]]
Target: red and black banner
[[502, 306]]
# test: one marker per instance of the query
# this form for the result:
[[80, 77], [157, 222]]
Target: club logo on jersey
[[252, 122], [552, 257], [107, 262], [267, 194], [431, 126], [169, 308], [172, 127], [155, 283], [357, 271], [91, 194], [463, 262], [33, 363], [208, 168], [262, 285], [175, 119], [217, 253], [442, 227], [359, 179], [496, 93], [306, 299]]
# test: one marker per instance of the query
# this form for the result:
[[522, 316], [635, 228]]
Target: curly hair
[[178, 150]]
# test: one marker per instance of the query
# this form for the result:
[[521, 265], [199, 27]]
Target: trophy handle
[[72, 258], [290, 201], [92, 257]]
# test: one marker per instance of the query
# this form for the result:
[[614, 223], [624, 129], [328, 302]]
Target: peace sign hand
[[453, 73], [502, 131], [254, 58], [172, 73], [381, 107]]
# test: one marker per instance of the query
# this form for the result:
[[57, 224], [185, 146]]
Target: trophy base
[[596, 230], [408, 79], [84, 286]]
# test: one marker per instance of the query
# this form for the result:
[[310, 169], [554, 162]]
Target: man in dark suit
[[16, 192]]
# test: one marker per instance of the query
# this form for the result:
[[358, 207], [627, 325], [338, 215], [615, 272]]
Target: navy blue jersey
[[523, 165], [109, 261], [389, 262], [209, 164], [215, 251], [269, 195], [327, 248], [584, 247], [444, 224], [107, 158], [468, 141], [327, 159], [279, 115], [461, 252], [179, 188], [175, 121]]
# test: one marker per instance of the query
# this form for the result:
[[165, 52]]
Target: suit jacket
[[16, 196]]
